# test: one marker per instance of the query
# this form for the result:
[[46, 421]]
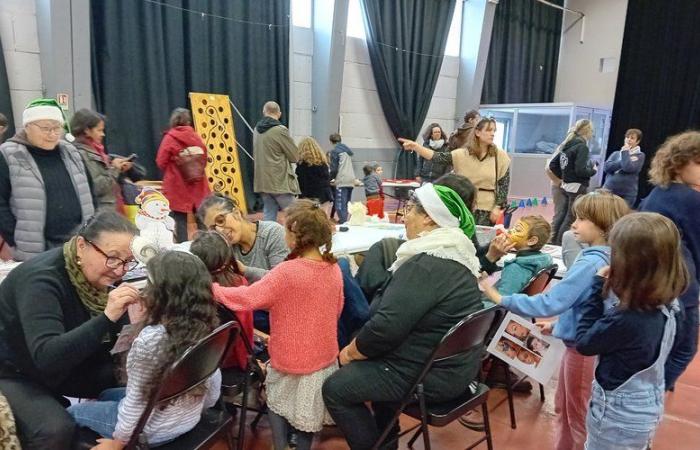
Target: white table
[[359, 238]]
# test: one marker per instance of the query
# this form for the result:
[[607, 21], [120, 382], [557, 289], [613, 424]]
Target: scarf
[[446, 243], [436, 145], [94, 299]]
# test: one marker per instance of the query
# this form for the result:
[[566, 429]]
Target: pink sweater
[[305, 299]]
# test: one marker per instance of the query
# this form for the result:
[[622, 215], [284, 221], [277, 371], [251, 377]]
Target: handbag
[[191, 163]]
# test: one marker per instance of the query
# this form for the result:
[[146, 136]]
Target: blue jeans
[[273, 203], [101, 415], [342, 197], [624, 421], [684, 348]]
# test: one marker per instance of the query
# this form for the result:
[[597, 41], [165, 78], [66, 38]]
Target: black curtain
[[5, 101], [148, 55], [406, 41], [658, 84], [523, 54]]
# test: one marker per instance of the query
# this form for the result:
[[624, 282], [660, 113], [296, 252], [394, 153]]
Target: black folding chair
[[537, 284], [237, 381], [192, 369], [466, 336]]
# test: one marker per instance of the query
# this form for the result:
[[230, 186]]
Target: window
[[301, 13], [455, 36], [356, 23]]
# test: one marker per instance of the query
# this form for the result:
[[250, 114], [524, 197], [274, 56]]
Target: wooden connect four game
[[213, 121]]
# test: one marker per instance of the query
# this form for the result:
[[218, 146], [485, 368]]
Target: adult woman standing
[[60, 345], [257, 246], [44, 189], [486, 166], [88, 127], [575, 170], [182, 157], [433, 138], [432, 287]]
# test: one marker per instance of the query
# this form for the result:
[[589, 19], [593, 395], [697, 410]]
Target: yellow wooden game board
[[213, 121]]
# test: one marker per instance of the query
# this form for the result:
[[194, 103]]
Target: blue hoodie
[[565, 298]]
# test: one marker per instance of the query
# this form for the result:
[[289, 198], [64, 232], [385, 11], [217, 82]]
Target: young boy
[[373, 189], [529, 235]]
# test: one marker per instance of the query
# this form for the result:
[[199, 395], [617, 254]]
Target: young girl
[[216, 254], [374, 193], [634, 334], [595, 215], [304, 296], [675, 171], [313, 173], [180, 311]]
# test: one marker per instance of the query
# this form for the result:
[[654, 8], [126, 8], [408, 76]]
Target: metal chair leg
[[509, 390], [423, 418], [487, 426], [244, 409], [541, 393], [415, 436]]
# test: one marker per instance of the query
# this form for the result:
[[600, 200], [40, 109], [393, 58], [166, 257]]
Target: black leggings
[[180, 218]]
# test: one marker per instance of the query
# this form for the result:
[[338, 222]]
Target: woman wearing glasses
[[486, 166], [58, 320], [257, 246], [44, 188], [433, 285]]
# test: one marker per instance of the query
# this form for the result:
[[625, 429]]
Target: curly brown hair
[[311, 228], [179, 297], [311, 153], [674, 154]]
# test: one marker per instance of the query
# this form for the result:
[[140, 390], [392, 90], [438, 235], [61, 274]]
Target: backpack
[[191, 163], [555, 166]]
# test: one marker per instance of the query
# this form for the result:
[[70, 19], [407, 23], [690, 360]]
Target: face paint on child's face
[[518, 235]]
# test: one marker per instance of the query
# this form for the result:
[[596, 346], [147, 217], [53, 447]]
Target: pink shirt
[[305, 299]]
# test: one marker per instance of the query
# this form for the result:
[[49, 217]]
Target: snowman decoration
[[154, 223]]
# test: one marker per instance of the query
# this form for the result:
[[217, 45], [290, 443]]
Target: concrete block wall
[[300, 75], [363, 125], [20, 46]]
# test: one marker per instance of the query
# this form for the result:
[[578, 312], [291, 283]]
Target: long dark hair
[[217, 255], [179, 297]]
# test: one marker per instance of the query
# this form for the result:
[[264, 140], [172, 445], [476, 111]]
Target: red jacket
[[183, 197]]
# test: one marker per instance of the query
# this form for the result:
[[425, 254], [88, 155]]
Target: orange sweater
[[305, 299]]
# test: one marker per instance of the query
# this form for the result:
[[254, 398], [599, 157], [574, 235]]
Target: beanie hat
[[43, 109], [149, 194]]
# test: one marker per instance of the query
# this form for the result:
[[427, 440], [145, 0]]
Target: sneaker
[[472, 420]]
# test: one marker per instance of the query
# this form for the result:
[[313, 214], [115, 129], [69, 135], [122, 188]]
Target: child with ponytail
[[304, 296]]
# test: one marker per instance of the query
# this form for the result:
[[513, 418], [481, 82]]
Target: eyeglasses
[[219, 221], [113, 262], [49, 130], [410, 203]]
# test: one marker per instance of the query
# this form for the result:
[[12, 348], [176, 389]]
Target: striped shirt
[[177, 416]]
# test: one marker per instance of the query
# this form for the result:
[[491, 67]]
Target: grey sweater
[[268, 250]]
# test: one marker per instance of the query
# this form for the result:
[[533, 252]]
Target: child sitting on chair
[[529, 235]]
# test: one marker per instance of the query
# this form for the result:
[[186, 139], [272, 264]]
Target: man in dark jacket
[[274, 152]]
